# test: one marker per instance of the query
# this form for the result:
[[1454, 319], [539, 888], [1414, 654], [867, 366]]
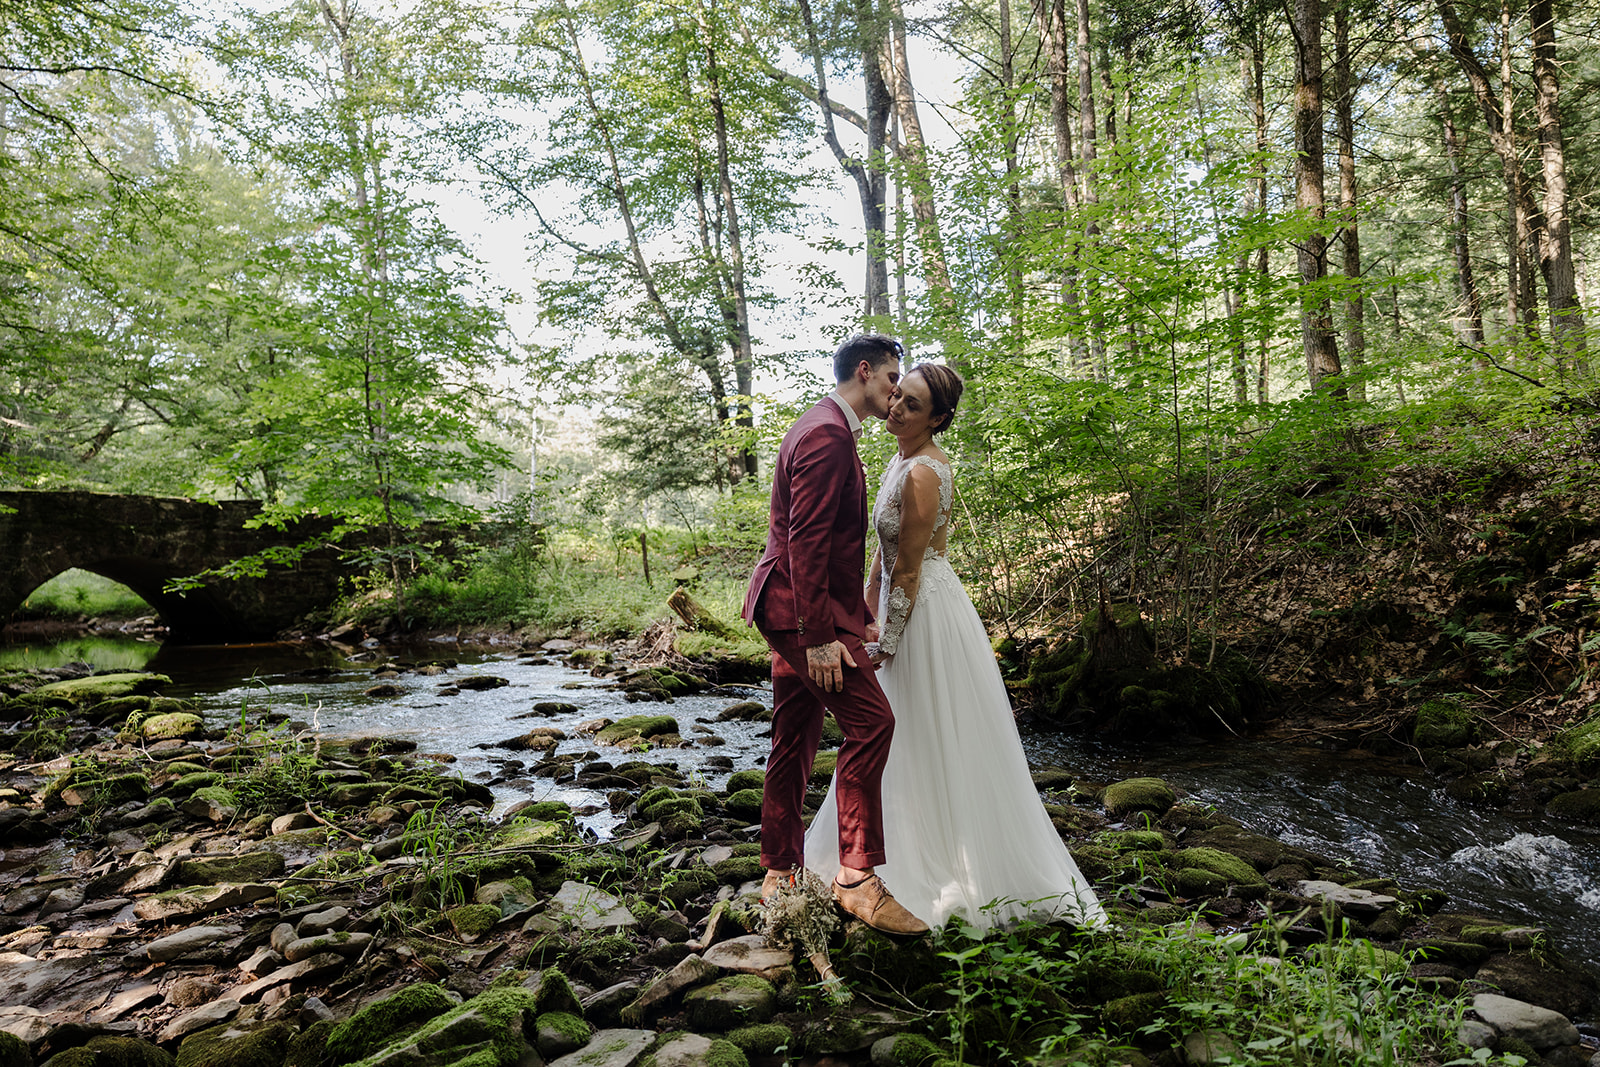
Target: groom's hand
[[826, 664]]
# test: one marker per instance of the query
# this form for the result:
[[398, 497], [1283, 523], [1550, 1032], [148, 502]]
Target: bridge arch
[[145, 542]]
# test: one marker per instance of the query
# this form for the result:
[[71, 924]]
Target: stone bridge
[[144, 542]]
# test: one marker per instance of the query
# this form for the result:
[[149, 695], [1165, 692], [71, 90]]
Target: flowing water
[[1379, 816]]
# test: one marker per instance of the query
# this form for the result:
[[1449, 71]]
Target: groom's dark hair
[[875, 349]]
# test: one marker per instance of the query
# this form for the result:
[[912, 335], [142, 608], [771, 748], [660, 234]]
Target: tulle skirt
[[964, 830]]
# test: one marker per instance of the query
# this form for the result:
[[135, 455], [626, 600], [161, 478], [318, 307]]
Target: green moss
[[1444, 723], [308, 1048], [748, 779], [1136, 840], [103, 687], [745, 804], [220, 795], [222, 1046], [494, 1041], [251, 867], [1232, 868], [106, 1052], [1132, 1013], [680, 887], [632, 726], [173, 724], [661, 810], [738, 869], [1139, 794], [547, 811], [822, 767], [14, 1050], [569, 1026], [1581, 743], [474, 920], [198, 780], [912, 1050], [385, 1021], [763, 1039]]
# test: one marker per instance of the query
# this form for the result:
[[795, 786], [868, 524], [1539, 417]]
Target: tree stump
[[696, 617]]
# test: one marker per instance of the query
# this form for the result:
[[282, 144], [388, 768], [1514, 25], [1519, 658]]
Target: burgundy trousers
[[798, 707]]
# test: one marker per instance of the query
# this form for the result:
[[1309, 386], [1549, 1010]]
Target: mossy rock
[[1232, 868], [219, 795], [746, 779], [738, 869], [905, 1050], [118, 709], [1131, 1014], [832, 733], [103, 1051], [386, 1021], [1580, 805], [637, 726], [822, 768], [684, 886], [1444, 723], [553, 993], [1581, 743], [745, 804], [665, 808], [187, 784], [728, 1002], [215, 870], [762, 1039], [99, 688], [1480, 790], [225, 1046], [561, 1032], [547, 811], [486, 1031], [308, 1047], [473, 920], [174, 724], [1138, 794]]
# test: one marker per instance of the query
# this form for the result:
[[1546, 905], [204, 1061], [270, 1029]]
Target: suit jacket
[[806, 589]]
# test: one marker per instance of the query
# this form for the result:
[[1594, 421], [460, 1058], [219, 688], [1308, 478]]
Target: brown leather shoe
[[774, 879], [872, 903]]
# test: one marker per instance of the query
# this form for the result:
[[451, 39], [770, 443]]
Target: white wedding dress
[[964, 830]]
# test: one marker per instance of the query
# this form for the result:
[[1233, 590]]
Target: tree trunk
[[1087, 124], [1316, 323], [1525, 218], [1052, 18], [869, 176], [739, 341], [1256, 86], [1013, 184], [918, 177], [1566, 317], [1522, 302], [696, 617], [1355, 340], [1469, 325]]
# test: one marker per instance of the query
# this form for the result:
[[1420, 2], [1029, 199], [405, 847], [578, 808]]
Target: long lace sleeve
[[894, 621]]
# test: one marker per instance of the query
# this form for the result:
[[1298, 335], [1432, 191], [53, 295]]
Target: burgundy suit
[[806, 591]]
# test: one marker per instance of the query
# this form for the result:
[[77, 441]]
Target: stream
[[1378, 815]]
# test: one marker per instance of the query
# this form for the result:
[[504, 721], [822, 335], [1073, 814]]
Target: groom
[[805, 596]]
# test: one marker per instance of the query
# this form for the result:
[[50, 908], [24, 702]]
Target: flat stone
[[1475, 1034], [589, 908], [1351, 901], [25, 980], [295, 820], [749, 955], [147, 877], [1539, 1027], [715, 855], [262, 961], [315, 966], [127, 1002], [193, 992], [202, 1018], [283, 935], [609, 1048], [62, 900], [24, 899], [341, 943], [683, 1050], [195, 902], [186, 942], [692, 971], [1209, 1046]]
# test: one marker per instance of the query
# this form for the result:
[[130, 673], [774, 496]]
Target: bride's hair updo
[[944, 391]]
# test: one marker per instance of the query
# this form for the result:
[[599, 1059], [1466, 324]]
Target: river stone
[[126, 1003], [533, 741], [250, 867], [510, 897], [589, 908], [25, 980], [1350, 901], [481, 681], [750, 955], [839, 1033], [1475, 1034], [29, 1025], [187, 942], [262, 961], [320, 922], [283, 935], [1539, 1027], [295, 820], [609, 1048], [243, 1045], [1560, 988], [214, 802], [561, 1032], [102, 687], [198, 901], [171, 725], [342, 943], [24, 899]]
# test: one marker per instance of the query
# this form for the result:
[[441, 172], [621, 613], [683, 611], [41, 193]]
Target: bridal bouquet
[[802, 916]]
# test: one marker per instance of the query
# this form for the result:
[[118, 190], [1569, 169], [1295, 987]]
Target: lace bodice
[[886, 512], [894, 603]]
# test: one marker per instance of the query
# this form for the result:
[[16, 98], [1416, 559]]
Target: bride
[[963, 826]]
